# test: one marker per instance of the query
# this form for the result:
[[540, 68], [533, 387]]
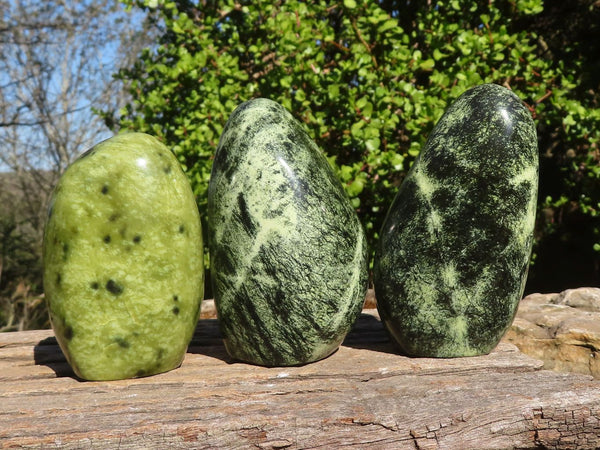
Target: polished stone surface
[[454, 249], [123, 260], [288, 253]]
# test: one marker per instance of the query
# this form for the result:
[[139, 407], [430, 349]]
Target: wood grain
[[363, 396]]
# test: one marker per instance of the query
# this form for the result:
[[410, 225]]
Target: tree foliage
[[369, 79]]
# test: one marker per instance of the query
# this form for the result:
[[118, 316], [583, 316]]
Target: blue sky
[[82, 95]]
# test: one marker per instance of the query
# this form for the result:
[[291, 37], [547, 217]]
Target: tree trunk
[[363, 396]]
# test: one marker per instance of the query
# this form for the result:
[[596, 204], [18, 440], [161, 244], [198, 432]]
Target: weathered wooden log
[[363, 396]]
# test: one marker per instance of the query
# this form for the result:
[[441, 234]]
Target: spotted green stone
[[288, 253], [123, 260], [454, 249]]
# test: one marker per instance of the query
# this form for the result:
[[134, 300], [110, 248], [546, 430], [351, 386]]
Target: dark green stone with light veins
[[123, 260], [288, 253], [454, 249]]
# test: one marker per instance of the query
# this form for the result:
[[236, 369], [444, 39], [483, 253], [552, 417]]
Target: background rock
[[562, 330]]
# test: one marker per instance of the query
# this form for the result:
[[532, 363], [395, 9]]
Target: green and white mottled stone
[[454, 249], [288, 253], [123, 260]]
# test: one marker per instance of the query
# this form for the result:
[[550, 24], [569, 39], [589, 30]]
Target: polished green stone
[[454, 249], [288, 253], [123, 260]]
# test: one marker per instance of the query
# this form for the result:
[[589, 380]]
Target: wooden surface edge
[[363, 396]]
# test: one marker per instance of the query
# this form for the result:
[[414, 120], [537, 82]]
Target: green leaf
[[361, 103], [355, 188], [373, 144], [414, 149], [333, 91], [346, 173], [387, 25], [177, 29], [285, 82], [427, 65], [356, 129], [350, 4]]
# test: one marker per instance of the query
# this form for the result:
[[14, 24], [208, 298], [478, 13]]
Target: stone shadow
[[208, 341], [368, 333], [48, 353]]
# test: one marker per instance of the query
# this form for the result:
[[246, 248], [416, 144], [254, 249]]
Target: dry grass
[[22, 305], [23, 310]]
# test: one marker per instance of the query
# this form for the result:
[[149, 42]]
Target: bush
[[369, 80], [21, 300]]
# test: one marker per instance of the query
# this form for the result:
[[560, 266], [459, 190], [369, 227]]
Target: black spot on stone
[[244, 106], [225, 261], [123, 343], [181, 228], [94, 285], [167, 169], [274, 109], [58, 279], [175, 310], [65, 251], [140, 373], [107, 239], [443, 198], [104, 189], [136, 239], [288, 144], [68, 332], [175, 298], [113, 217], [244, 216], [113, 287], [160, 353]]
